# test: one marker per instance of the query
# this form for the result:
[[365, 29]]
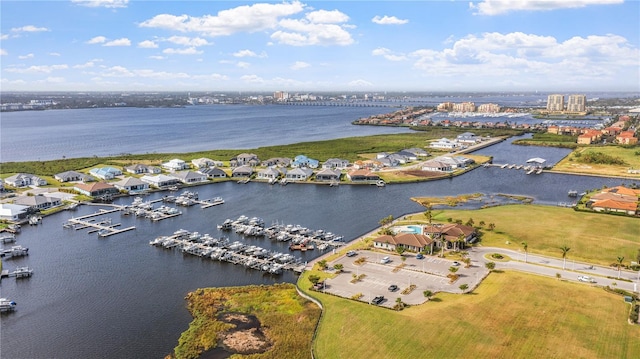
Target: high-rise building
[[489, 108], [555, 103], [464, 107], [577, 103], [281, 96]]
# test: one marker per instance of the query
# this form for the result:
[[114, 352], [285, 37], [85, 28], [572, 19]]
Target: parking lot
[[429, 273]]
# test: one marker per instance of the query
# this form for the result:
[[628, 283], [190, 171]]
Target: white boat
[[7, 237], [380, 183], [22, 272], [7, 305]]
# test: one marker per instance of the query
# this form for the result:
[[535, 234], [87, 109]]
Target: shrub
[[497, 256]]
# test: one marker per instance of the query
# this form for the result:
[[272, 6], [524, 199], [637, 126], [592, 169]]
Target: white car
[[385, 260], [585, 278]]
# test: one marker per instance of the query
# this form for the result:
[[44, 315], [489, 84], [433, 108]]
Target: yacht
[[7, 305], [22, 272]]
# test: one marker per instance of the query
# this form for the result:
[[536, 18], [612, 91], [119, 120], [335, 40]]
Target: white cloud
[[211, 77], [97, 40], [4, 37], [255, 79], [46, 69], [185, 51], [299, 65], [388, 54], [243, 65], [246, 18], [497, 7], [3, 52], [304, 33], [118, 42], [55, 80], [148, 44], [102, 3], [359, 83], [187, 41], [327, 17], [29, 28], [245, 53], [389, 20], [532, 58], [117, 71], [86, 65], [54, 54], [157, 57], [27, 56]]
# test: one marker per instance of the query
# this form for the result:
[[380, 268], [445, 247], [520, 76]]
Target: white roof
[[536, 160]]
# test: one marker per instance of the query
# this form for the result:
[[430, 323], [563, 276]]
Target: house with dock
[[363, 176], [213, 172], [242, 171], [132, 185], [299, 174], [13, 212], [38, 202], [269, 174], [96, 189], [328, 175]]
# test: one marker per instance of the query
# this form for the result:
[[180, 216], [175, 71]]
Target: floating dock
[[104, 228]]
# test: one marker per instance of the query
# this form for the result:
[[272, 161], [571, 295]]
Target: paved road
[[549, 266]]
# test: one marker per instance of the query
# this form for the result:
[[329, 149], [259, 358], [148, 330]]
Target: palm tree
[[428, 212], [620, 259], [525, 246], [564, 250]]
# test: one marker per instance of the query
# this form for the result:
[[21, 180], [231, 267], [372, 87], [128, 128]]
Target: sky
[[314, 46]]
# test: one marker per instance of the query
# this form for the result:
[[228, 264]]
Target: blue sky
[[488, 45]]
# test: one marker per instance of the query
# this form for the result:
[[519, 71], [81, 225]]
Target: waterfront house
[[213, 172], [336, 163], [38, 202], [24, 179], [328, 175], [189, 177], [409, 241], [303, 161], [299, 174], [468, 139], [95, 189], [242, 171], [160, 181], [455, 162], [13, 212], [175, 165], [363, 176], [444, 144], [437, 166], [132, 185], [609, 205], [142, 169], [106, 173], [277, 161], [73, 176], [245, 159], [269, 173]]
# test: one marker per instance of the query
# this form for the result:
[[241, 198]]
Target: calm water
[[54, 134], [119, 297]]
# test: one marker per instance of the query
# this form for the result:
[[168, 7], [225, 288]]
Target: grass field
[[592, 237], [629, 155], [511, 315]]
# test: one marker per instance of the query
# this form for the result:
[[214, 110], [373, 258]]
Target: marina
[[221, 249], [103, 227]]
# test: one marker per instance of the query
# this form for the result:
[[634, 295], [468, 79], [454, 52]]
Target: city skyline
[[490, 45]]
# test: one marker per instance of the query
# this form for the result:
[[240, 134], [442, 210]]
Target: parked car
[[455, 264], [393, 288], [352, 253], [419, 256], [385, 260], [585, 278], [377, 300]]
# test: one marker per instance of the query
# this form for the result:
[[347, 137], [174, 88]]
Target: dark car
[[419, 256], [377, 300], [393, 288]]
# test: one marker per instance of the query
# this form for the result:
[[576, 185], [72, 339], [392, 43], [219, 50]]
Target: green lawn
[[629, 155], [511, 315], [592, 237]]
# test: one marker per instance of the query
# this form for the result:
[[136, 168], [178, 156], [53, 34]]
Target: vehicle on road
[[351, 253], [385, 260], [377, 300], [393, 288], [586, 278]]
